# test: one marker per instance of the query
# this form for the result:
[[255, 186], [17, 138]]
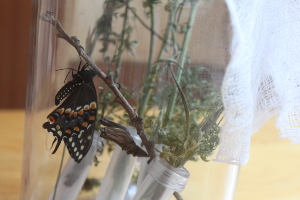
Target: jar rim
[[167, 175]]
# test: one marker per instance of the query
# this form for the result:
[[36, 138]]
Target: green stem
[[149, 88], [146, 93], [122, 45], [181, 62], [120, 51], [167, 33], [151, 39]]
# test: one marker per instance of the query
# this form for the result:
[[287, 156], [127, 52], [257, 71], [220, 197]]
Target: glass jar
[[168, 58]]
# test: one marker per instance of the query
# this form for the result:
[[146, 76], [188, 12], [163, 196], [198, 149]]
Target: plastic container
[[119, 172], [162, 180]]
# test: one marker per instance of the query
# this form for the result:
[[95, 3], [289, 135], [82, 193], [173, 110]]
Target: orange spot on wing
[[60, 111], [68, 131], [76, 128], [71, 114], [86, 108], [68, 111], [85, 124], [51, 119], [92, 118], [75, 114], [80, 112]]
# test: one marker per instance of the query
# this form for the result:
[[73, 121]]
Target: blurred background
[[272, 171], [14, 52]]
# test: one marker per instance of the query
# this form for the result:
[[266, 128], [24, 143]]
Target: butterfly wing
[[65, 91], [73, 121]]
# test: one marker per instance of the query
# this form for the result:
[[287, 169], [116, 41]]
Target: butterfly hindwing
[[73, 121]]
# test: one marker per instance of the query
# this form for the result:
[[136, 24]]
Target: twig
[[135, 120], [177, 195], [59, 172], [185, 106]]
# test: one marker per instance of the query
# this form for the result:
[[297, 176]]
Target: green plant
[[184, 134]]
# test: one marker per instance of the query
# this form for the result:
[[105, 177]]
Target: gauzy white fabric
[[263, 77]]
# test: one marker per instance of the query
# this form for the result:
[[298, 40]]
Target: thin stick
[[135, 120], [178, 196], [59, 172]]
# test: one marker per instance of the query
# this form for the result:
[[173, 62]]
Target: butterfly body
[[73, 120]]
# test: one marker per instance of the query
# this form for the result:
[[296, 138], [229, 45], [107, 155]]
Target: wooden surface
[[271, 174]]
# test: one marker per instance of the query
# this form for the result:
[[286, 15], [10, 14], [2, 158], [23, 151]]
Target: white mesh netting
[[263, 77]]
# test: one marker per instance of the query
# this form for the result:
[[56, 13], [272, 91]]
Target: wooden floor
[[273, 171]]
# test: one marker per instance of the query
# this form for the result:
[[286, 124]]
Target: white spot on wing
[[59, 133], [86, 107], [78, 108], [79, 136]]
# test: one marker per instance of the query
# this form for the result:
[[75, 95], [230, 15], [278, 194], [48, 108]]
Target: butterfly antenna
[[71, 69], [66, 68], [68, 74]]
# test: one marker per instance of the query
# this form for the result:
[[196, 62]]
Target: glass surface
[[178, 65]]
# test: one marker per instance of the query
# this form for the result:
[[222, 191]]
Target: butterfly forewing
[[65, 91], [73, 121]]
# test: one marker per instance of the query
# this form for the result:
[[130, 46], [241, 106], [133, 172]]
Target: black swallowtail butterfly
[[73, 121]]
